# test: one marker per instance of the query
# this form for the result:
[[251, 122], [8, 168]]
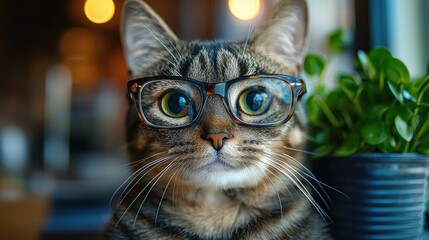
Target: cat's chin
[[222, 175], [217, 166]]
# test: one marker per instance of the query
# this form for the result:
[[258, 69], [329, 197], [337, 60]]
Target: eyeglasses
[[176, 102]]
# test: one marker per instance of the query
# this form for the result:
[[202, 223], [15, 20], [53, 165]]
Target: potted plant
[[371, 135]]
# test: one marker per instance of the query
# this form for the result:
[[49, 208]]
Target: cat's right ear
[[145, 36], [283, 34]]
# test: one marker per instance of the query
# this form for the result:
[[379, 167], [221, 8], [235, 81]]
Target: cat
[[215, 131]]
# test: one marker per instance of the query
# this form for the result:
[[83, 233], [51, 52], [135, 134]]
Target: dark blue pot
[[385, 195]]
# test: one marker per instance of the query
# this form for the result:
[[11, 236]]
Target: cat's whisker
[[299, 150], [172, 43], [185, 180], [308, 137], [136, 162], [294, 149], [279, 170], [181, 180], [152, 166], [132, 175], [309, 174], [255, 182], [278, 195], [142, 169], [284, 184], [280, 162], [301, 188], [156, 178], [247, 39], [299, 184], [138, 195], [306, 193], [163, 194], [174, 191]]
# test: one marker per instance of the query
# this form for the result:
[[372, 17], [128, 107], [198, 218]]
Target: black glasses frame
[[135, 86]]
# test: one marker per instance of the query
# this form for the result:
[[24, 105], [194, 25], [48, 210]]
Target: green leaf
[[349, 86], [407, 95], [371, 94], [374, 132], [314, 64], [423, 90], [422, 129], [378, 56], [320, 137], [349, 146], [380, 111], [324, 150], [337, 99], [376, 111], [398, 110], [423, 147], [388, 145], [396, 71], [337, 41], [366, 65], [404, 130], [314, 112], [396, 91], [413, 87]]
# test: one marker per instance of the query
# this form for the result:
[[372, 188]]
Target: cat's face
[[215, 151]]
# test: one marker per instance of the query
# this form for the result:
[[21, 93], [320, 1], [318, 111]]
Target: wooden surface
[[22, 215]]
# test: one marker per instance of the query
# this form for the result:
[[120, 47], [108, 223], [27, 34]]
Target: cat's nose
[[218, 139]]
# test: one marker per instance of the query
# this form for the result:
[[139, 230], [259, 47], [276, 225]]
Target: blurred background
[[62, 93]]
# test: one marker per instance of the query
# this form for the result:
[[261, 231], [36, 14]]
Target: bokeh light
[[99, 11], [245, 9]]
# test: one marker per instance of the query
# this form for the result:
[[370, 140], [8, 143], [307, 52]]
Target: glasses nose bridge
[[220, 90], [215, 89]]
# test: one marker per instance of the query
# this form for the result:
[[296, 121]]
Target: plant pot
[[385, 194]]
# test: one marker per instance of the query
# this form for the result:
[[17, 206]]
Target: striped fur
[[173, 192]]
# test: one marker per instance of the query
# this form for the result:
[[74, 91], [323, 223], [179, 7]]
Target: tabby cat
[[215, 131]]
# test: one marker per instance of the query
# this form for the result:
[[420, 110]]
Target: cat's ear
[[145, 36], [283, 34]]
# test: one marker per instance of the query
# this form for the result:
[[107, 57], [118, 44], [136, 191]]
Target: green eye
[[175, 104], [254, 102]]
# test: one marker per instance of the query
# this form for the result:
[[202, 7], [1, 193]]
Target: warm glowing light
[[245, 9], [99, 11]]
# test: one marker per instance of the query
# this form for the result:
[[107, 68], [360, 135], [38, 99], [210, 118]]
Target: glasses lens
[[261, 101], [170, 103]]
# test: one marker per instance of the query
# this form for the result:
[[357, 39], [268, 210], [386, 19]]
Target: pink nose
[[217, 139]]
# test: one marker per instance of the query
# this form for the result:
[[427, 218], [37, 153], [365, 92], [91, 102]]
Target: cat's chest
[[212, 211], [210, 198]]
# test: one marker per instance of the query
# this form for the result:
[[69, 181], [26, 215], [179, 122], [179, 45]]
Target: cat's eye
[[175, 104], [254, 101], [261, 101]]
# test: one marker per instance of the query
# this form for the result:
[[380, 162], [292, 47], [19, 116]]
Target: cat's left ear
[[283, 35], [145, 36]]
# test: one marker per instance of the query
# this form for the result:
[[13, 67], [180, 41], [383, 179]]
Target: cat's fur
[[172, 195]]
